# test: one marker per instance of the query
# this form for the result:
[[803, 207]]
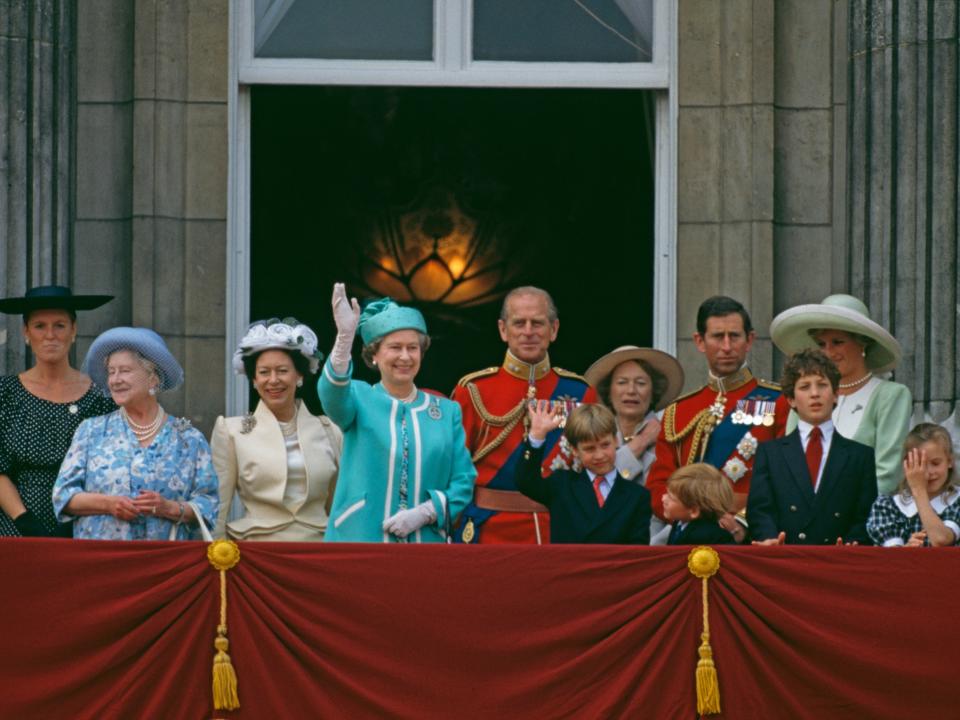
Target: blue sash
[[505, 477], [727, 435]]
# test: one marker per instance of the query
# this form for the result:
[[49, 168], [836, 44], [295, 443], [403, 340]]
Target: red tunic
[[731, 447], [495, 428]]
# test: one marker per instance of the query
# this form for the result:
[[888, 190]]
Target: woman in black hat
[[41, 407]]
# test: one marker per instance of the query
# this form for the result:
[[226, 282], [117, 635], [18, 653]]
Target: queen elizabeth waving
[[405, 473]]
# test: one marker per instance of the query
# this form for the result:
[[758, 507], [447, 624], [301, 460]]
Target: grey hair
[[552, 314], [146, 363], [371, 348]]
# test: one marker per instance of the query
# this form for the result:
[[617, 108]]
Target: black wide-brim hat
[[51, 297]]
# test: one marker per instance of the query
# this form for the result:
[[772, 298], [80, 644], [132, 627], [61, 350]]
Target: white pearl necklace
[[144, 432], [855, 383]]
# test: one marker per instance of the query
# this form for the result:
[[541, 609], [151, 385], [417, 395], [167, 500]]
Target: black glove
[[29, 525]]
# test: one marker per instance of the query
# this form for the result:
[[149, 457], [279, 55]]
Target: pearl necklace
[[408, 399], [855, 383], [144, 432]]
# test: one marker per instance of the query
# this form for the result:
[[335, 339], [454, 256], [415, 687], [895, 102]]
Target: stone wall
[[151, 180], [36, 155], [762, 190]]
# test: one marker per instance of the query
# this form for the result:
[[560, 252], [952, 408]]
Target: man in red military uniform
[[722, 422], [494, 403]]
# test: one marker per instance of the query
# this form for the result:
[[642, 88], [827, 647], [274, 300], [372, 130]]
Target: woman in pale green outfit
[[870, 409]]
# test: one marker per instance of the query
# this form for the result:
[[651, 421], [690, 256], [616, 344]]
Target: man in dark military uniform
[[722, 422], [494, 417]]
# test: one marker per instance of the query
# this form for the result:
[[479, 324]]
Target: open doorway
[[552, 187]]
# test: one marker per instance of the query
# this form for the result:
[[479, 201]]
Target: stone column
[[725, 201], [903, 213], [36, 153]]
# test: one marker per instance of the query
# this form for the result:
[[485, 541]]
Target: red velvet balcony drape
[[125, 630]]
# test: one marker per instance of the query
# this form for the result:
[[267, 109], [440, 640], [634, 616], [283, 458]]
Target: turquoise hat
[[384, 316]]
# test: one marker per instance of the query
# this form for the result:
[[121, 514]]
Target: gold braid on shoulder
[[696, 426], [508, 422]]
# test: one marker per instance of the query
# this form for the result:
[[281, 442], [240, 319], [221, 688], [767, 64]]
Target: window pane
[[345, 29], [563, 30]]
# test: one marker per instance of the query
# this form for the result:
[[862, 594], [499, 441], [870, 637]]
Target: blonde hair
[[702, 486], [920, 435], [589, 422]]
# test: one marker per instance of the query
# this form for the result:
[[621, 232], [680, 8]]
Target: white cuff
[[894, 542]]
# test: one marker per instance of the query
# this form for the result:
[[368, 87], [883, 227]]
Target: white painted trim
[[238, 220], [349, 511], [477, 74], [418, 459], [391, 465], [665, 201]]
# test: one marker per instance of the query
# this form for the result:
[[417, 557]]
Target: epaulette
[[769, 385], [470, 377], [566, 373]]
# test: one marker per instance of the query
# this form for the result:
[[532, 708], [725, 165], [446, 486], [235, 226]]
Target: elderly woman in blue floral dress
[[406, 472], [137, 473]]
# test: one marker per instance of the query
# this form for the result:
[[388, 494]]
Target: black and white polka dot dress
[[35, 435]]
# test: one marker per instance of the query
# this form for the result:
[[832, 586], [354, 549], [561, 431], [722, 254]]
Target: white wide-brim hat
[[790, 330], [138, 339], [660, 362]]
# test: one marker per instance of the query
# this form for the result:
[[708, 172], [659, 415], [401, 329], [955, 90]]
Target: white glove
[[346, 315], [409, 521]]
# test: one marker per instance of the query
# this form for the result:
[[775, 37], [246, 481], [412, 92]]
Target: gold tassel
[[703, 562], [223, 555]]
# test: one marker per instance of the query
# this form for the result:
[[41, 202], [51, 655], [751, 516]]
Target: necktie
[[596, 489], [814, 455]]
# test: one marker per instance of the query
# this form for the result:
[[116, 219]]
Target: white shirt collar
[[826, 428], [941, 502], [609, 477]]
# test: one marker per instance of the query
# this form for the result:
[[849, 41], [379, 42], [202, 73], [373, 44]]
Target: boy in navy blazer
[[813, 486], [697, 497], [593, 505]]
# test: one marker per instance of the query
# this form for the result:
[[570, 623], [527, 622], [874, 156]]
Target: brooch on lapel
[[434, 410], [247, 423]]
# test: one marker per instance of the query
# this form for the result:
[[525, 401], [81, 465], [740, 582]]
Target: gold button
[[526, 455]]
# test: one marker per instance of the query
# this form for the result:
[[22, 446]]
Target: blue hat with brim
[[384, 316], [51, 297], [137, 339]]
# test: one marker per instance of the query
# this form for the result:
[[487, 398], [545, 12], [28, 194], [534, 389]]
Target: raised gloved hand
[[406, 522], [29, 525], [346, 315]]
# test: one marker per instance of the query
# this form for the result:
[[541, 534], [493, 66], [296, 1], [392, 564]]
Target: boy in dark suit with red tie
[[697, 497], [592, 505], [813, 486]]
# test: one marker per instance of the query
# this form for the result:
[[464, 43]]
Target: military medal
[[737, 418], [768, 420], [468, 532]]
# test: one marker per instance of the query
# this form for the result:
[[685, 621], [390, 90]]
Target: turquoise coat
[[884, 427], [439, 468]]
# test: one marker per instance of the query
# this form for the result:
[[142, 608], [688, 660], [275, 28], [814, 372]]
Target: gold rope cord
[[508, 422], [703, 562], [223, 555]]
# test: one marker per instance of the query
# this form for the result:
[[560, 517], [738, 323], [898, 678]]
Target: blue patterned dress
[[106, 457]]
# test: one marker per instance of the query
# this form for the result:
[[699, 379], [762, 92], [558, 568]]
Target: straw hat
[[790, 330], [138, 339], [659, 361]]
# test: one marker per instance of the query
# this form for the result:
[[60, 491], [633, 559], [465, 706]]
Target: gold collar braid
[[531, 372]]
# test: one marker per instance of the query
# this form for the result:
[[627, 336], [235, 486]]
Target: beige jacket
[[253, 464]]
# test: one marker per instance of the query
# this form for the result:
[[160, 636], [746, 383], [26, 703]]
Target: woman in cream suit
[[281, 461]]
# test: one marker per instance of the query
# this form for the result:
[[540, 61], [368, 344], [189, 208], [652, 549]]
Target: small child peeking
[[697, 497], [593, 505], [924, 512]]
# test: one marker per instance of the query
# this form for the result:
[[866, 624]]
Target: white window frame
[[452, 66]]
